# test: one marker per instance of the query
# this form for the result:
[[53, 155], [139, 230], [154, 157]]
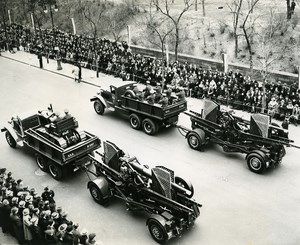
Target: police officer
[[48, 195]]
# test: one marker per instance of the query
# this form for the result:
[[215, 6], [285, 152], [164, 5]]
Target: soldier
[[147, 90], [164, 101], [150, 98]]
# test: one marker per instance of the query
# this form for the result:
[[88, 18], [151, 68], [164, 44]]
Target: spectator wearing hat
[[295, 115], [43, 222], [35, 227], [50, 236], [68, 237], [5, 213], [84, 237], [91, 240], [17, 226], [76, 234], [27, 224]]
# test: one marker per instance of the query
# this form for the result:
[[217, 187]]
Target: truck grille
[[161, 181]]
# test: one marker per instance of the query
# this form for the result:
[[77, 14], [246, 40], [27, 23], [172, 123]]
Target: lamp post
[[53, 6]]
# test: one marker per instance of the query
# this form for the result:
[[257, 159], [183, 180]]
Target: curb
[[54, 72]]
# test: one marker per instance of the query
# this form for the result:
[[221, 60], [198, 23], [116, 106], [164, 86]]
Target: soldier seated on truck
[[147, 89], [158, 93], [181, 94], [164, 101], [150, 98], [138, 94]]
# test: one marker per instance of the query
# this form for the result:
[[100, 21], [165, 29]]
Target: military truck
[[166, 197], [149, 117], [58, 144], [260, 139]]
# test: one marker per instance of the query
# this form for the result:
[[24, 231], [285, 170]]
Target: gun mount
[[168, 198], [262, 140]]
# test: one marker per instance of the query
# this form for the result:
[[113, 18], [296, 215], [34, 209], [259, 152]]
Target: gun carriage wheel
[[196, 138], [157, 229], [256, 161], [97, 194], [10, 140], [186, 185]]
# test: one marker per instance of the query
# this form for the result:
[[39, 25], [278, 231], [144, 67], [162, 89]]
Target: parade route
[[239, 207]]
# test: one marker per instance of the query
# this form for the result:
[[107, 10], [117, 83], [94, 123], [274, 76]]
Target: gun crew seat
[[60, 127]]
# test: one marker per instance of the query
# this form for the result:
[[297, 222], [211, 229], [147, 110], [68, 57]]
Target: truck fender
[[262, 153], [102, 100], [102, 184], [13, 133]]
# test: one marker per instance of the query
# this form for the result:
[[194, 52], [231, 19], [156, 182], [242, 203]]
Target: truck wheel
[[97, 194], [196, 139], [157, 231], [186, 185], [99, 107], [135, 121], [256, 162], [10, 140], [56, 171], [149, 126], [41, 162]]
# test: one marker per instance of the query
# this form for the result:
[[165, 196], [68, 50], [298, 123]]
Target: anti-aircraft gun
[[260, 139], [168, 198], [58, 144]]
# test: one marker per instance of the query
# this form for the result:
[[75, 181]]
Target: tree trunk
[[203, 8], [176, 43], [288, 9]]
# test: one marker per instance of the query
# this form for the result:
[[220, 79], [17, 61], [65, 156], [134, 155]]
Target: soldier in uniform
[[48, 195]]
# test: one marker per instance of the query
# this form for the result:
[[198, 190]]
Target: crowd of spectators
[[102, 55], [35, 219]]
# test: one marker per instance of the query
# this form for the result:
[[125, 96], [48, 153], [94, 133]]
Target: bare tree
[[158, 30], [94, 15], [165, 7], [248, 31], [268, 49], [235, 9]]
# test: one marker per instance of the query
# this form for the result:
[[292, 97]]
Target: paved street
[[239, 207]]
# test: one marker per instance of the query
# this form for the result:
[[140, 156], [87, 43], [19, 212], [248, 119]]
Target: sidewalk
[[88, 76]]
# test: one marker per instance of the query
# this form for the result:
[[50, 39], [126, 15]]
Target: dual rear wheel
[[45, 164], [148, 125]]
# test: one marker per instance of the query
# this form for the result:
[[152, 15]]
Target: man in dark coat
[[17, 226], [5, 216]]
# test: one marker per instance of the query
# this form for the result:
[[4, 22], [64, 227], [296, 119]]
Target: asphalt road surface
[[239, 207]]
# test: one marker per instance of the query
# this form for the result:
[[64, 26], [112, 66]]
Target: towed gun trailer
[[58, 145], [262, 141], [166, 197], [149, 117]]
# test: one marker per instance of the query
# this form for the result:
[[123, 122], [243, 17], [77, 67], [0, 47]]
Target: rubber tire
[[129, 94], [97, 194], [135, 121], [254, 156], [99, 107], [185, 184], [56, 171], [157, 231], [10, 140], [198, 137], [149, 126], [41, 161]]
